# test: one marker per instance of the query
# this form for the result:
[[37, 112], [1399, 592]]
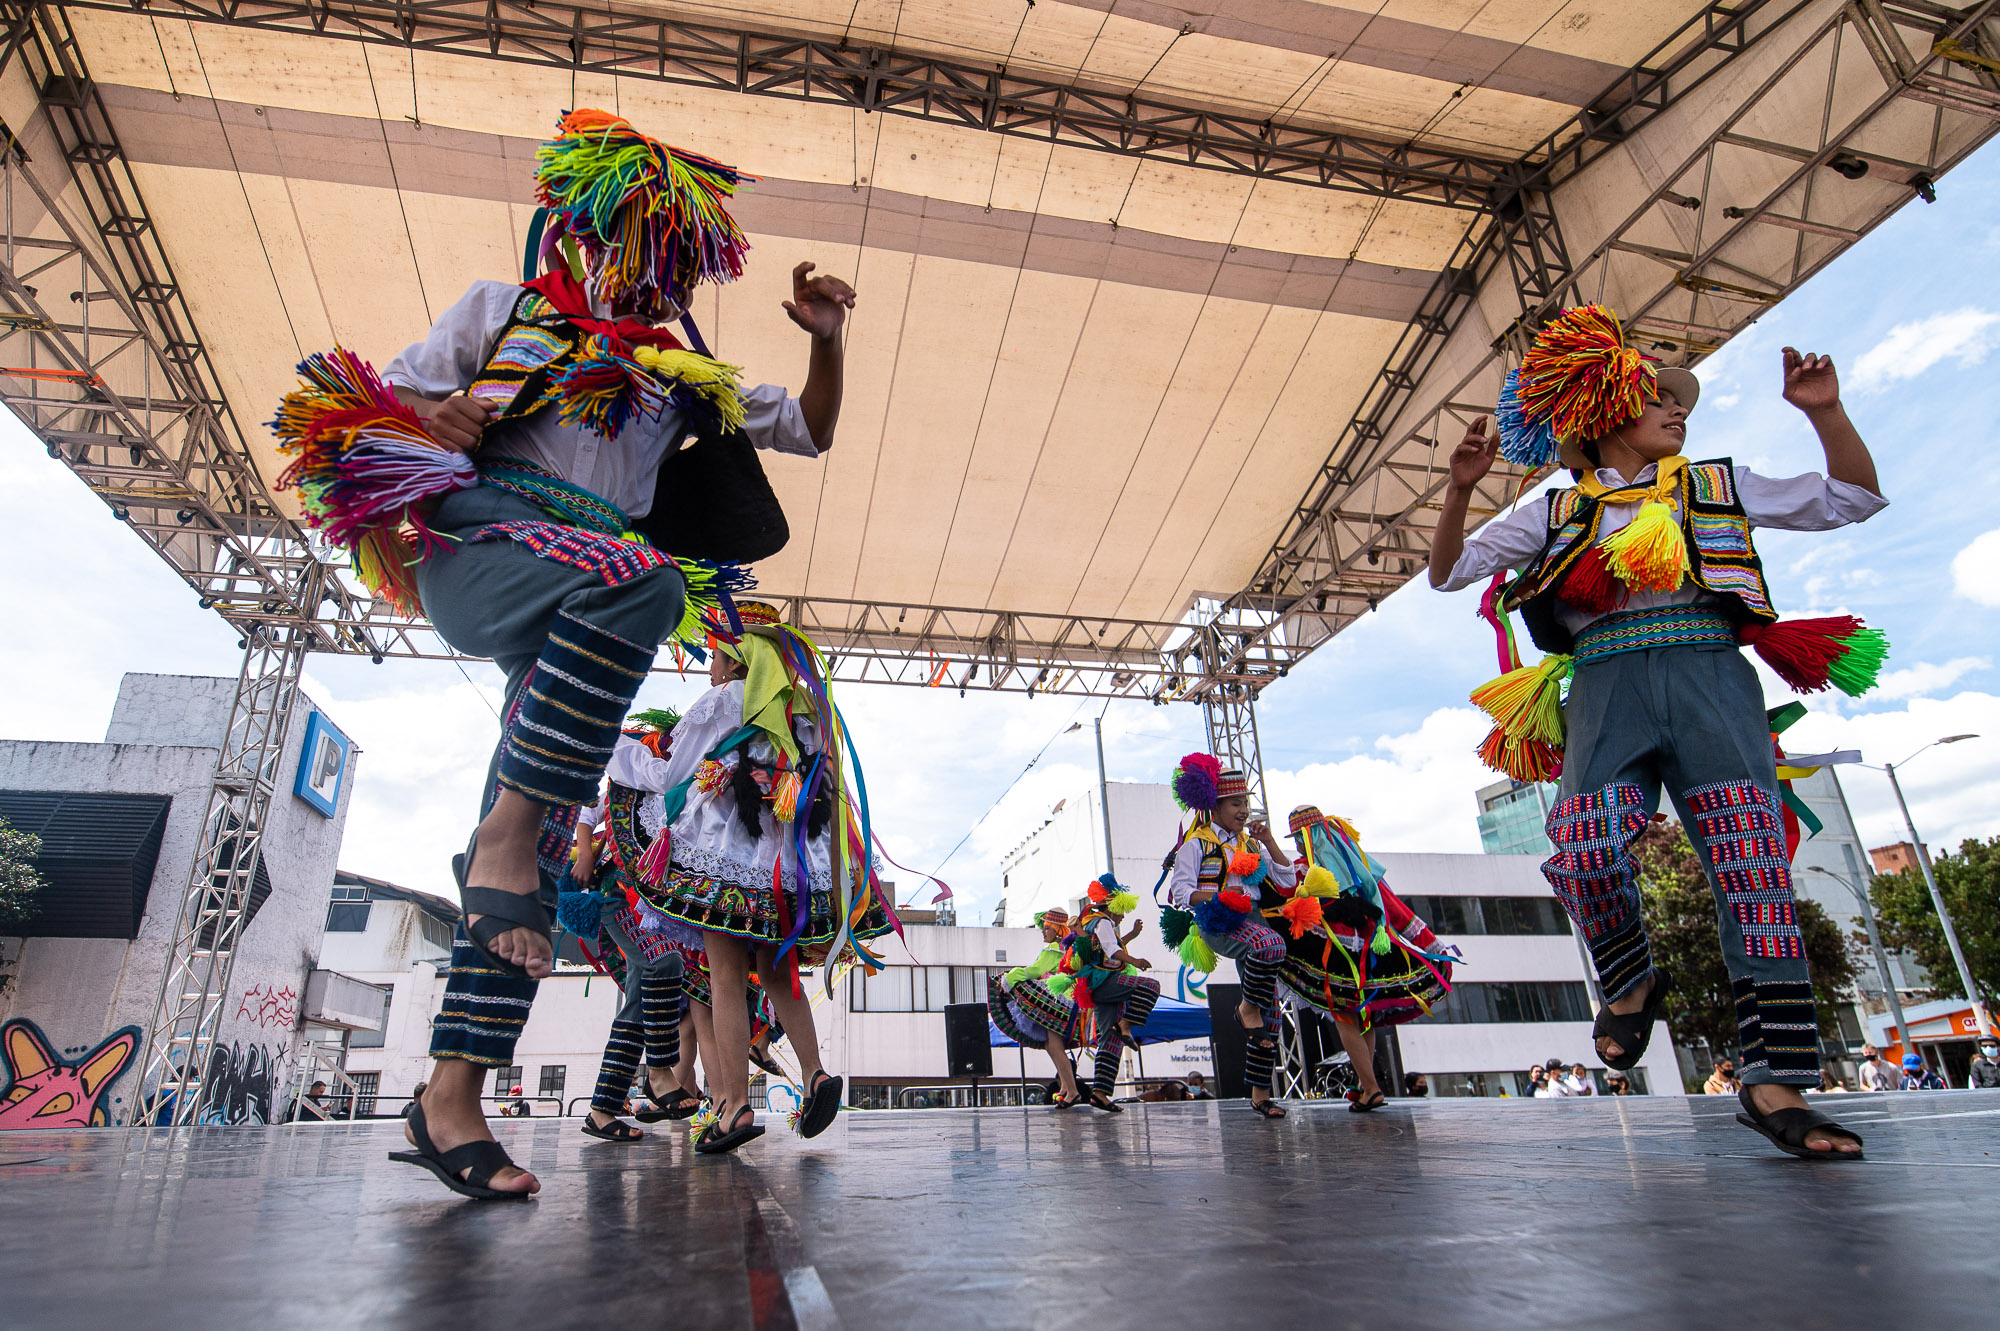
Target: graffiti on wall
[[242, 1085], [268, 1005], [46, 1090]]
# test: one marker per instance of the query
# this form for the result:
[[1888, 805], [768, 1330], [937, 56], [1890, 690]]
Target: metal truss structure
[[194, 987], [659, 48], [1370, 516]]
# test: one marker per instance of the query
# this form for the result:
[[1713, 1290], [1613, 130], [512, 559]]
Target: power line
[[1011, 784]]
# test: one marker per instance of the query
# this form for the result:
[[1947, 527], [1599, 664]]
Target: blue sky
[[1374, 726]]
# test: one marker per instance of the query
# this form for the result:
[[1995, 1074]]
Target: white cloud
[[1413, 792], [1965, 335], [1975, 570], [1923, 679], [1725, 401]]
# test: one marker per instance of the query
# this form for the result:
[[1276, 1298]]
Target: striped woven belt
[[1639, 630]]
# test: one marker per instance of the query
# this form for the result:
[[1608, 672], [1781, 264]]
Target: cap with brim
[[1681, 383]]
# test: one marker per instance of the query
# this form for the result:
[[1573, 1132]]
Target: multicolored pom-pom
[[1580, 379], [1195, 782]]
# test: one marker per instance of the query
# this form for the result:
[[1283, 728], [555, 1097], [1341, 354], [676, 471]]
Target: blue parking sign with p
[[322, 765]]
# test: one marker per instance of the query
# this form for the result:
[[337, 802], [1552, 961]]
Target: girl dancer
[[1354, 952], [1212, 884], [1029, 1012], [764, 848]]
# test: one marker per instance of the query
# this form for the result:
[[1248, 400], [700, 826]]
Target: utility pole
[[1104, 798], [1944, 915]]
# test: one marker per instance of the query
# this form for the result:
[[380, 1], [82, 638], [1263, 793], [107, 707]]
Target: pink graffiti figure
[[46, 1091], [272, 1005]]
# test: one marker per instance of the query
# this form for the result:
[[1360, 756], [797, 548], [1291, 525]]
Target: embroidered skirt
[[1361, 988], [1031, 1011]]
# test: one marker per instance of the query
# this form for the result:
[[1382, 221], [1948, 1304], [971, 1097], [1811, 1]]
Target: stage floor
[[1639, 1212]]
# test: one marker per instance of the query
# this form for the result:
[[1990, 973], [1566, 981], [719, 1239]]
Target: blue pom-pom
[[580, 913], [1523, 442], [1252, 882], [1215, 917]]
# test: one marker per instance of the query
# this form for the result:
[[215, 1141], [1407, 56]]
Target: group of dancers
[[523, 476]]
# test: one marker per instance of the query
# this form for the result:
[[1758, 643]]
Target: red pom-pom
[[1236, 901], [1098, 893], [1590, 585]]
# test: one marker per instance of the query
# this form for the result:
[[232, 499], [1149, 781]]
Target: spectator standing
[[1875, 1074], [1722, 1081], [1918, 1077], [1619, 1083], [1557, 1075], [1984, 1074], [1579, 1081]]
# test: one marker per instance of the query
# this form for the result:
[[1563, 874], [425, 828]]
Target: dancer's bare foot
[[504, 858], [1769, 1097], [1608, 1048], [1250, 1015], [453, 1117]]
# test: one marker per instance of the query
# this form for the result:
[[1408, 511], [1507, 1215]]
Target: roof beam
[[563, 34]]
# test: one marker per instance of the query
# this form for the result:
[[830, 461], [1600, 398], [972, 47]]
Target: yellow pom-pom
[[785, 797], [1319, 882], [1649, 554]]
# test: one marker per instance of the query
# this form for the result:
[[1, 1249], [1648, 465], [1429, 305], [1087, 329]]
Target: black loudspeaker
[[967, 1047], [1225, 1041]]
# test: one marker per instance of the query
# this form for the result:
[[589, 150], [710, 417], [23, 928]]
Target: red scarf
[[564, 292]]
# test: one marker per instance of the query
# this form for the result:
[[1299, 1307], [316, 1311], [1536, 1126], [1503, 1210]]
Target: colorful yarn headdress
[[1579, 381], [1053, 915], [1105, 894], [650, 218]]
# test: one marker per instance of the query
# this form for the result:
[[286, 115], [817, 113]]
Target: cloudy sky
[[1374, 726]]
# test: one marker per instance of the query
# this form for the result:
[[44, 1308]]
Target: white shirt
[[1575, 1085], [1795, 503], [1106, 935], [636, 767], [1185, 880], [455, 350]]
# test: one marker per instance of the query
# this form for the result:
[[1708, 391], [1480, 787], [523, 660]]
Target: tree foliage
[[1969, 881], [1680, 908], [18, 880]]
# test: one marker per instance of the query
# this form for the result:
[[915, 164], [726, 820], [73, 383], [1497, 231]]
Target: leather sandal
[[1357, 1103], [617, 1130], [1786, 1129], [681, 1104], [479, 1160], [1062, 1100], [822, 1105], [1268, 1107], [710, 1139], [1099, 1100], [499, 912], [1632, 1033]]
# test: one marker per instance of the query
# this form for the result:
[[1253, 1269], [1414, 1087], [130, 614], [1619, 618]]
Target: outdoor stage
[[1649, 1212]]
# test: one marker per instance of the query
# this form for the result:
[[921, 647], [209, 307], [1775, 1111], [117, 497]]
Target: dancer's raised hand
[[1475, 453]]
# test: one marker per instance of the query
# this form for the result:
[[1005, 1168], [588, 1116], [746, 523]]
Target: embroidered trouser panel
[[483, 1012], [652, 994], [1259, 953], [1595, 879], [1688, 721], [574, 651], [1128, 998]]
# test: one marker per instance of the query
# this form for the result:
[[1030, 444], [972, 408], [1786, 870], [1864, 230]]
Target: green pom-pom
[[1059, 984], [1856, 670], [1196, 954], [662, 719], [1123, 903], [1380, 947], [1174, 925]]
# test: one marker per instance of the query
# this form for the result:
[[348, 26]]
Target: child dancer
[[1642, 578], [1029, 1012], [1354, 952], [1108, 983], [541, 414], [1212, 885]]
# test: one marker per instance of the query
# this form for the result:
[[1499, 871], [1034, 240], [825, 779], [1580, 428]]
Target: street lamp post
[[1874, 940], [1937, 898]]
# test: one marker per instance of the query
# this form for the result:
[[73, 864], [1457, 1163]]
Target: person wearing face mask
[[1984, 1074], [1638, 582], [1214, 877]]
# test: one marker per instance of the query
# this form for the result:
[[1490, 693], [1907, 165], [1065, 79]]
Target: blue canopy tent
[[1172, 1019]]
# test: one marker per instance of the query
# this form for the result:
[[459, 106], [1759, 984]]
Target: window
[[1521, 1001], [373, 1039], [1502, 916], [348, 913], [886, 990], [436, 932], [553, 1077], [366, 1084], [917, 988], [506, 1080]]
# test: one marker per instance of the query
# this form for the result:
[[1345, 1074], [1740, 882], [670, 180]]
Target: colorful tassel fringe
[[1590, 585], [707, 391], [1196, 954], [1523, 442], [603, 389], [1526, 760], [785, 797], [652, 218], [1175, 925], [1304, 914], [1581, 379], [363, 467], [1526, 704], [1319, 882], [1649, 554], [652, 866], [1814, 654], [709, 587], [710, 776]]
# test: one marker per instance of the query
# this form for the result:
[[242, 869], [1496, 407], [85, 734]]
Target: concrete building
[[1522, 994], [1899, 858], [119, 822]]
